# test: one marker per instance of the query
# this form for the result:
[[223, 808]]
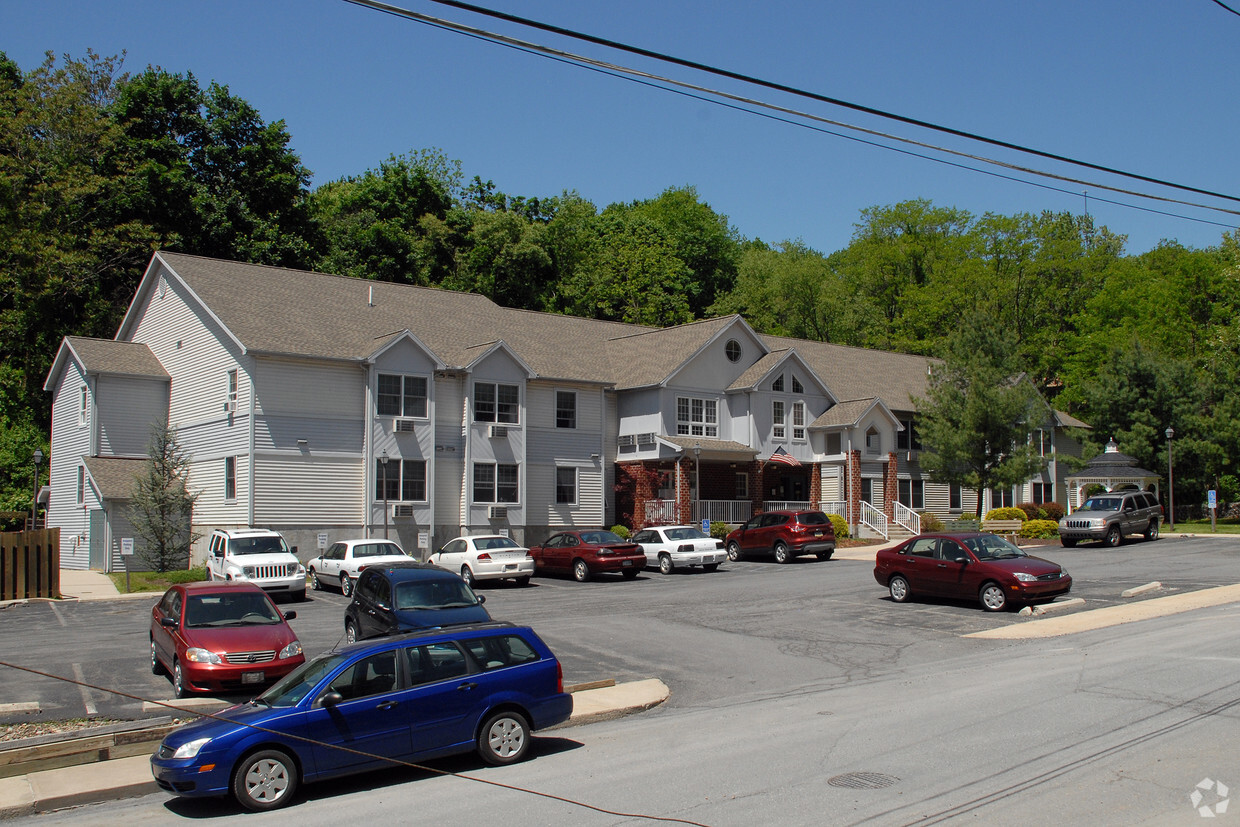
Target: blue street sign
[[1213, 499], [706, 523]]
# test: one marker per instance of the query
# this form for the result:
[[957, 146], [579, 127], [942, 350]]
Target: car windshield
[[1101, 504], [378, 550], [492, 543], [600, 538], [296, 684], [257, 545], [685, 534], [991, 547], [237, 609], [434, 594]]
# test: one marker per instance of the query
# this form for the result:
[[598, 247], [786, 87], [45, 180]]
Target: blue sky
[[1140, 86]]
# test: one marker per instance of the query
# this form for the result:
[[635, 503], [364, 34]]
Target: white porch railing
[[836, 507], [908, 518], [785, 505], [662, 512], [873, 518], [722, 511]]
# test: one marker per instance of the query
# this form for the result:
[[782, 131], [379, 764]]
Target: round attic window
[[733, 350]]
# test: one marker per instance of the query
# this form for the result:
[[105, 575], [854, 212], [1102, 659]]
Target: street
[[800, 694]]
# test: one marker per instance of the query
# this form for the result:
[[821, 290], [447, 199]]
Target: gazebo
[[1112, 470]]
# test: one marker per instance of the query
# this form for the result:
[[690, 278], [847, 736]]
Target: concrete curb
[[47, 790]]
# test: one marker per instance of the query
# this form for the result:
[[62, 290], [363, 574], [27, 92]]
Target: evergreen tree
[[161, 508]]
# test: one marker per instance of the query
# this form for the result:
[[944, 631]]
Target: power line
[[1221, 4], [649, 79], [702, 67]]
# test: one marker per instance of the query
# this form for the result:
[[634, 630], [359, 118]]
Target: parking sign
[[705, 525], [1213, 499]]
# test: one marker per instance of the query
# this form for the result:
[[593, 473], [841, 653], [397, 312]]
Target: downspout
[[368, 444], [249, 520], [467, 457]]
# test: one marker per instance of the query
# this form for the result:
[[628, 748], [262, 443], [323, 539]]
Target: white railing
[[875, 519], [662, 512], [722, 511], [836, 507], [785, 505], [908, 518]]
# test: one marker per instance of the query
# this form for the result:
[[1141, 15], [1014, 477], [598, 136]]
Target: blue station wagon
[[370, 705]]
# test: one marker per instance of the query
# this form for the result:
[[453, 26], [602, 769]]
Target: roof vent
[[370, 298]]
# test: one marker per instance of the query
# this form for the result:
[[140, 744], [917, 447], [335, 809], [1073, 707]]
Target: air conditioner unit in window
[[498, 512], [402, 511], [230, 407], [498, 431], [402, 425]]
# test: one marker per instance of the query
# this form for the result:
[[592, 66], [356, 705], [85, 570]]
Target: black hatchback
[[400, 597]]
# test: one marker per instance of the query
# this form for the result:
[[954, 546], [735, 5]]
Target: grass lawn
[[153, 581], [1228, 526]]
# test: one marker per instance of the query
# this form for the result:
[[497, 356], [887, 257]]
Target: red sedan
[[984, 567], [221, 636], [587, 552]]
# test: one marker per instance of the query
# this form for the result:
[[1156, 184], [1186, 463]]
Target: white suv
[[259, 556]]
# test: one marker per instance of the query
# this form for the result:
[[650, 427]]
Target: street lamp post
[[37, 456], [383, 461], [1170, 432]]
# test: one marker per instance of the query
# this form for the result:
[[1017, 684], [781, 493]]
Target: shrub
[[621, 531], [930, 523], [1040, 529], [840, 525], [1054, 511], [719, 530], [1033, 511], [1006, 514]]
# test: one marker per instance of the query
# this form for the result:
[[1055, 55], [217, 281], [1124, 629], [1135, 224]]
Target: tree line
[[99, 168]]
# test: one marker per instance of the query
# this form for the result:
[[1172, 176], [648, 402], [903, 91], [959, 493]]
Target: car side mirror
[[289, 615], [331, 699], [482, 598], [169, 622], [294, 549], [964, 560]]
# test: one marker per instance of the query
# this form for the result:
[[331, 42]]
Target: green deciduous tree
[[161, 507]]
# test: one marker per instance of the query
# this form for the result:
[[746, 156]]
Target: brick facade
[[890, 486]]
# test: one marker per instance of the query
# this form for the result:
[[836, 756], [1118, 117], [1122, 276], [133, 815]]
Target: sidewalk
[[41, 792]]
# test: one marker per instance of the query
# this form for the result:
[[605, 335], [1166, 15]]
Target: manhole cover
[[862, 780]]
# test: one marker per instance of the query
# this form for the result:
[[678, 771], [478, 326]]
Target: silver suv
[[1111, 517]]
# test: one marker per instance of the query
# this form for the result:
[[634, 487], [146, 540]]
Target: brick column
[[756, 481], [854, 488], [684, 495], [890, 483], [815, 486]]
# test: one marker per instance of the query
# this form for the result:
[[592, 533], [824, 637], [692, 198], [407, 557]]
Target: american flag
[[780, 455]]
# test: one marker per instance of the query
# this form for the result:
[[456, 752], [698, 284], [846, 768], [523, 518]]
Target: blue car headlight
[[190, 749]]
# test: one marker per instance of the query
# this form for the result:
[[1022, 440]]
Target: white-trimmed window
[[496, 483], [566, 409], [742, 486], [797, 387], [566, 486], [778, 384], [911, 493], [401, 480], [798, 421], [1043, 492], [230, 401], [494, 402], [83, 406], [778, 419], [697, 417], [400, 395], [81, 485], [230, 478]]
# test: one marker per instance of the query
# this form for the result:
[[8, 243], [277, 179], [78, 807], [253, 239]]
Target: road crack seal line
[[1114, 615]]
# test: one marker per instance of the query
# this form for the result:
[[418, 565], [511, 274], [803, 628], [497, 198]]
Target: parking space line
[[81, 679], [59, 617]]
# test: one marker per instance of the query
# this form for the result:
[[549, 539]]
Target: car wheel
[[265, 780], [899, 589], [825, 555], [783, 554], [504, 739], [710, 567], [734, 551], [1151, 531], [581, 571], [523, 581], [665, 564], [314, 581], [993, 598], [1114, 538], [157, 668], [1067, 543], [350, 632], [629, 574], [467, 576], [179, 687]]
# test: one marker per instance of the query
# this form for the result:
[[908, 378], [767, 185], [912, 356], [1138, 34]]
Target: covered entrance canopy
[[1112, 470]]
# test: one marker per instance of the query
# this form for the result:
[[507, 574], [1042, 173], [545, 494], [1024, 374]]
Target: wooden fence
[[30, 564]]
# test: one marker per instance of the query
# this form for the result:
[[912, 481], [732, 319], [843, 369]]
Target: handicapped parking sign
[[706, 524], [1213, 499]]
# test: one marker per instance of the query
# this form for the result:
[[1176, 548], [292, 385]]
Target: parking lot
[[709, 636]]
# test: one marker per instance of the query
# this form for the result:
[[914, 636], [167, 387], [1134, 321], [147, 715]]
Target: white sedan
[[671, 546], [486, 557], [341, 564]]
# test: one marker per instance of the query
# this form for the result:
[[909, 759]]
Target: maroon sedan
[[221, 636], [586, 553], [969, 566]]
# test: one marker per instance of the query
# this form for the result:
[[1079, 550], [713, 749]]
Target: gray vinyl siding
[[127, 409], [307, 490], [70, 442], [206, 480]]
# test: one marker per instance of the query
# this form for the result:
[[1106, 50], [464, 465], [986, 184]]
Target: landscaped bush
[[840, 525], [1033, 511], [620, 531], [930, 523], [1008, 513], [1054, 511], [1039, 529], [719, 530]]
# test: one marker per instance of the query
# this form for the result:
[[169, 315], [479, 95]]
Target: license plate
[[253, 677], [510, 567], [817, 533], [627, 563]]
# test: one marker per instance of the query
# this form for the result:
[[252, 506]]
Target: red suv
[[784, 534]]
